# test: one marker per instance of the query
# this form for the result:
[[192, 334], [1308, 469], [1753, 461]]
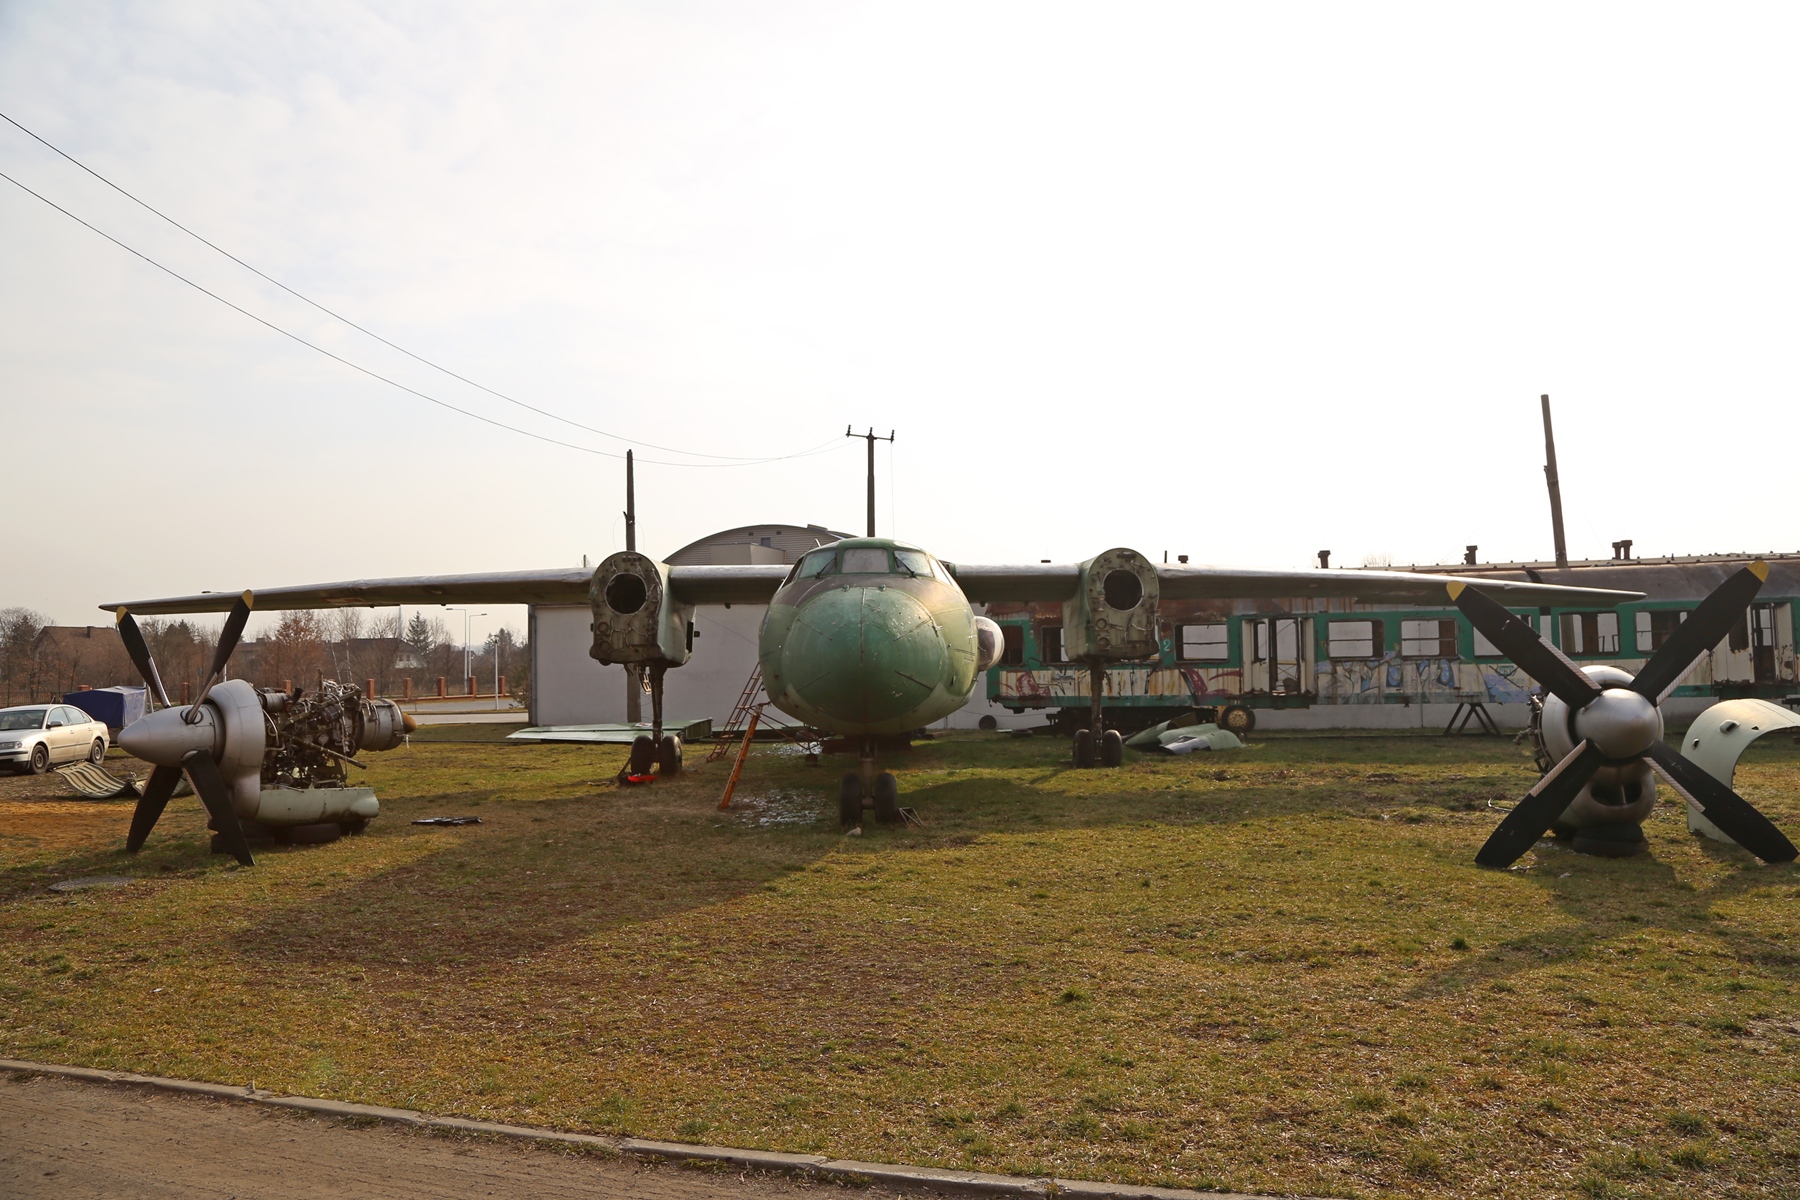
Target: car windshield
[[865, 560], [23, 718]]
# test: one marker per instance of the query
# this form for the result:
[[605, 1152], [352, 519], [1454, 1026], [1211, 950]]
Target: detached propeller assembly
[[218, 740], [1604, 728]]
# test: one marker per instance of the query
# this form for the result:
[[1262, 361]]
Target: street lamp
[[465, 642]]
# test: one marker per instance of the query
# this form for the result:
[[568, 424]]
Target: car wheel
[[97, 752], [40, 759]]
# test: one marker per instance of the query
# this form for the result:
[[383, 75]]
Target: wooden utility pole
[[1556, 524], [871, 439]]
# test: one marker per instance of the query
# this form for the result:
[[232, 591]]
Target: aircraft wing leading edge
[[983, 584]]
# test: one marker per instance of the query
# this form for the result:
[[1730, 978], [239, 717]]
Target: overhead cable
[[336, 316], [823, 447]]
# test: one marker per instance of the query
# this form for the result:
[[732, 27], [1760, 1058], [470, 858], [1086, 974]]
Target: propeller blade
[[1521, 643], [1705, 628], [211, 786], [1528, 820], [133, 637], [157, 791], [228, 640], [1736, 818]]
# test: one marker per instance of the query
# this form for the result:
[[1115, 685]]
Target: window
[[1050, 640], [1014, 637], [1202, 643], [1435, 638], [865, 560], [1354, 639], [1590, 633], [1656, 627], [913, 562], [817, 563]]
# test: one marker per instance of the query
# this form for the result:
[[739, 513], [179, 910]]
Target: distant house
[[73, 656]]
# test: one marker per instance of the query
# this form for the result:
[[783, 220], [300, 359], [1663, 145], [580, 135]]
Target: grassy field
[[1274, 971]]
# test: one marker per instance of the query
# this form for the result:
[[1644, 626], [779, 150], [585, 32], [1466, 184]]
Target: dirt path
[[69, 1140]]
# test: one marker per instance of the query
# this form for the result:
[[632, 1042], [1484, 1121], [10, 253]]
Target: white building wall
[[569, 688]]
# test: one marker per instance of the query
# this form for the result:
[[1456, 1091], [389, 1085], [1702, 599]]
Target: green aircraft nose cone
[[870, 654]]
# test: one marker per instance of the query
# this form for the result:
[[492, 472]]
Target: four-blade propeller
[[1612, 726], [174, 741]]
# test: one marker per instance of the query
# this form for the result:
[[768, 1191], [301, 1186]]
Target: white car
[[35, 736]]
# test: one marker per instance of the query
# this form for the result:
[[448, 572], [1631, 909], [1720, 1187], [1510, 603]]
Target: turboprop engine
[[1111, 618], [267, 758]]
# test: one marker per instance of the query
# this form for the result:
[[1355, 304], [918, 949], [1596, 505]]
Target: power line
[[352, 324], [823, 447]]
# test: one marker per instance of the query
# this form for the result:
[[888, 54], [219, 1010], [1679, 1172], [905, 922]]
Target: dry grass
[[1272, 971]]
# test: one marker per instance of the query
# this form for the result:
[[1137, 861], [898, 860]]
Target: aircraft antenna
[[871, 439], [1556, 525]]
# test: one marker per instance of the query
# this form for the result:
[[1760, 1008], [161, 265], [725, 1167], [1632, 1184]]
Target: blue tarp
[[117, 706]]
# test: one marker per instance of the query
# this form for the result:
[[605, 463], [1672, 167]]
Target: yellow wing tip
[[1760, 569], [119, 615], [249, 599], [1455, 589]]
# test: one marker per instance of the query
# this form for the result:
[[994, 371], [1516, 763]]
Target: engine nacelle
[[990, 643], [384, 726], [636, 617], [1112, 617]]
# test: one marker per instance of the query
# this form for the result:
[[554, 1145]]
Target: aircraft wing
[[984, 584], [559, 585]]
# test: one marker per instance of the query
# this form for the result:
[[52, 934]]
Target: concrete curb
[[926, 1179]]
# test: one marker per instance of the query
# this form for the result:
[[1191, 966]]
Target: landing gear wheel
[[887, 798], [850, 799], [353, 826], [1235, 718], [40, 759], [1609, 841], [668, 757], [1112, 748], [97, 752], [643, 755], [1084, 748]]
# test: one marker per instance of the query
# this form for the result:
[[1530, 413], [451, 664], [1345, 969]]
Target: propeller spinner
[[1607, 726], [217, 741]]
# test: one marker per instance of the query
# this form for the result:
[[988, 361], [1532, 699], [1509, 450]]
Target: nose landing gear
[[880, 790], [658, 754]]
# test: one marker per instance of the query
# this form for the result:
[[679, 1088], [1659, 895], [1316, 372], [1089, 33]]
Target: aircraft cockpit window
[[913, 562], [815, 564], [865, 560]]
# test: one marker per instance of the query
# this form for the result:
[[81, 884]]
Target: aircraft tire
[[1084, 748], [643, 755], [668, 756], [887, 798], [850, 799], [1112, 748], [1235, 718]]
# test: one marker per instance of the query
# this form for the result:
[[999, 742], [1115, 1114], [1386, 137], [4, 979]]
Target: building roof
[[767, 543]]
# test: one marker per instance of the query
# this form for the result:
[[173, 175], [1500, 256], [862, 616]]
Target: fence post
[[371, 689], [406, 688], [441, 692]]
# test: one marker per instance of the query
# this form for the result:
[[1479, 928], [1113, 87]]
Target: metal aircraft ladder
[[742, 710]]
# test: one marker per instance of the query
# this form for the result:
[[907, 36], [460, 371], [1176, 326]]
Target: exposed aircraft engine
[[263, 758], [1112, 617], [637, 620], [1603, 729], [990, 643], [313, 734]]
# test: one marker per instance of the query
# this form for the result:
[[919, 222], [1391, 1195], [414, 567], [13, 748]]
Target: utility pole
[[871, 439], [631, 505], [1556, 522]]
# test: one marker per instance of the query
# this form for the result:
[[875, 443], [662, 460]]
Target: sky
[[1241, 282]]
